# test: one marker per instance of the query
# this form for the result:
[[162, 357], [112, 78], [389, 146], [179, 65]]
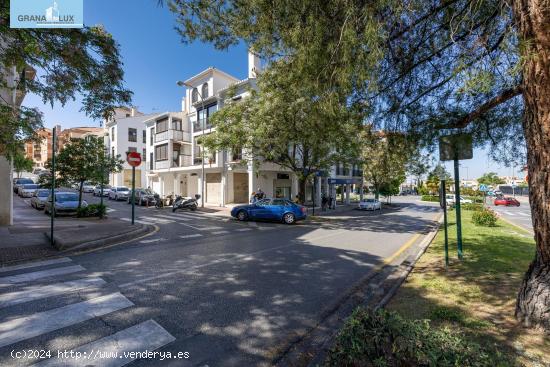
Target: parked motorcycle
[[159, 203], [186, 203]]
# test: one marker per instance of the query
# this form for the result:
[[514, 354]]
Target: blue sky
[[154, 59]]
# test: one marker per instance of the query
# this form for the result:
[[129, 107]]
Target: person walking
[[260, 194], [324, 201]]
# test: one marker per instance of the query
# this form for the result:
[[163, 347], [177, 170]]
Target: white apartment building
[[125, 132], [175, 159]]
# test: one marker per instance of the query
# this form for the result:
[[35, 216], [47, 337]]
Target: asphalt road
[[519, 215], [225, 292]]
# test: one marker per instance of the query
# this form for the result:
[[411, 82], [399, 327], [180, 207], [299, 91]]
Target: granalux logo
[[46, 14]]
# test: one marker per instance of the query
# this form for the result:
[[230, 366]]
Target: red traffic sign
[[133, 159]]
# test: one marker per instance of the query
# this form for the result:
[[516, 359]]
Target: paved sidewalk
[[23, 243]]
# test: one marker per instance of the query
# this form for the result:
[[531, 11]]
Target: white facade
[[175, 159], [126, 132]]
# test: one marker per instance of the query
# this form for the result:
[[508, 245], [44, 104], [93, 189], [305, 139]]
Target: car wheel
[[289, 218], [242, 215]]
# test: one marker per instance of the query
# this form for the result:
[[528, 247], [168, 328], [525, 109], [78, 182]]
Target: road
[[225, 292], [520, 216]]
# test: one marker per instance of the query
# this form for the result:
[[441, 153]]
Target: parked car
[[143, 197], [506, 201], [18, 182], [119, 193], [27, 191], [65, 203], [451, 200], [106, 190], [39, 198], [88, 187], [370, 204], [271, 209]]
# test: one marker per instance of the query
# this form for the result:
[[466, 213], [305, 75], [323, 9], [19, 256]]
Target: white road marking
[[524, 214], [156, 220], [137, 221], [191, 235], [220, 232], [35, 292], [153, 240], [207, 228], [16, 330], [509, 213], [146, 336], [190, 216], [35, 264], [243, 229], [27, 277], [172, 218]]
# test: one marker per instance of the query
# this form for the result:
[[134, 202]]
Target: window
[[161, 152], [132, 134], [144, 136], [113, 133], [152, 136], [112, 151], [144, 155], [203, 116], [151, 160], [204, 90], [176, 124], [132, 149], [162, 125], [280, 202], [194, 95]]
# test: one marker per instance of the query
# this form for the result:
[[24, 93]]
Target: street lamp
[[184, 84]]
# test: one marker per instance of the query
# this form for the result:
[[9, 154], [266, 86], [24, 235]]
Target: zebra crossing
[[42, 303]]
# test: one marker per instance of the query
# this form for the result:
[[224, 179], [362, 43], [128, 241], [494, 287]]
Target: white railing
[[176, 135], [186, 161], [162, 164]]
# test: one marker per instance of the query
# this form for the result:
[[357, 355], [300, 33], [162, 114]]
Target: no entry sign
[[133, 159]]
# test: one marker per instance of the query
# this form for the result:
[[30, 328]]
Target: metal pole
[[444, 201], [133, 192], [314, 192], [202, 150], [52, 212], [102, 178], [457, 208]]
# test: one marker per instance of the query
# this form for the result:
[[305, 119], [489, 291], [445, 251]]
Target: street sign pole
[[444, 204], [457, 208], [133, 192], [52, 212], [314, 193]]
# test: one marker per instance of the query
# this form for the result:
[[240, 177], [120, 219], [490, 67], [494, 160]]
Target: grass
[[477, 295]]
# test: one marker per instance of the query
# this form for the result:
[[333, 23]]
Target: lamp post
[[182, 84]]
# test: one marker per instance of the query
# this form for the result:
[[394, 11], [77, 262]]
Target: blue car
[[271, 209]]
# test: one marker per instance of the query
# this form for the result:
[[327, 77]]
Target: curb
[[303, 350]]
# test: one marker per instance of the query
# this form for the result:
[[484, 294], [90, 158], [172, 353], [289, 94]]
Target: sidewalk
[[23, 243]]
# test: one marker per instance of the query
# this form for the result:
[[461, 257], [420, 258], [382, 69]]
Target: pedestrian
[[260, 194], [324, 202], [253, 198], [296, 199], [331, 204]]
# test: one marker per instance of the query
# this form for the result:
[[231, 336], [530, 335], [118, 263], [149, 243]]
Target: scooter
[[186, 203]]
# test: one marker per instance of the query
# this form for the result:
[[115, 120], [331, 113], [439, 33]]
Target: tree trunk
[[80, 194], [532, 20], [302, 181]]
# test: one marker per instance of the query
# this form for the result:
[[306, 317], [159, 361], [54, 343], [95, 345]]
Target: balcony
[[197, 126], [171, 134], [183, 161]]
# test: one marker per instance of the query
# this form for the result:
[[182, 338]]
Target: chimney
[[133, 112], [254, 65]]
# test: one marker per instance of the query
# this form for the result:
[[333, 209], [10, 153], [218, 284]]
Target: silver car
[[106, 190], [119, 193], [39, 198], [370, 204], [27, 191], [18, 182], [65, 203]]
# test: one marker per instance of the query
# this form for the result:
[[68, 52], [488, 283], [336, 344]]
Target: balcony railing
[[197, 126], [177, 135], [185, 161]]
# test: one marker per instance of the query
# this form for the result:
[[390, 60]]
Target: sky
[[155, 59]]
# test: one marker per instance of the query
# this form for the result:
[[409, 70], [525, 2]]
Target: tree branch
[[484, 108]]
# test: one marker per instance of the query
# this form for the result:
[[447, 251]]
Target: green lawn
[[477, 295]]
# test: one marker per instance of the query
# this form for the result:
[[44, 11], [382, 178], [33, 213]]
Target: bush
[[92, 210], [430, 198], [473, 207], [384, 338], [485, 217]]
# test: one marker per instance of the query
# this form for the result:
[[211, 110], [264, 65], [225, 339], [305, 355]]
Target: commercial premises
[[175, 159]]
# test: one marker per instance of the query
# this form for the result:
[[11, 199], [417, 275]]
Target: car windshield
[[24, 181], [42, 192], [370, 200], [30, 187], [67, 196], [148, 192], [122, 189]]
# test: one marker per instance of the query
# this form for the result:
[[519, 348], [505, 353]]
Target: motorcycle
[[186, 203], [159, 203]]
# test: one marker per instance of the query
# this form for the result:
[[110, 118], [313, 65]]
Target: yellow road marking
[[404, 247]]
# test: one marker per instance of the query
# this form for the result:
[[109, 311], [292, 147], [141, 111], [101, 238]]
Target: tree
[[384, 157], [490, 178], [85, 160], [74, 61], [424, 67], [21, 163], [433, 182], [287, 123]]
